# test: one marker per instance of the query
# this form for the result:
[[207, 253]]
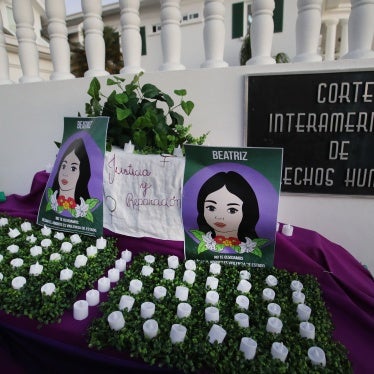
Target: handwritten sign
[[325, 124], [142, 195]]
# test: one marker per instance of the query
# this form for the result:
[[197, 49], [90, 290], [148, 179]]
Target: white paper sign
[[143, 195]]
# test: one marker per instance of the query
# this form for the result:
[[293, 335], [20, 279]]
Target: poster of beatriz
[[230, 204]]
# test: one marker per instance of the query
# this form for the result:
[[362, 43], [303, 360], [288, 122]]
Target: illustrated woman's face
[[223, 212], [69, 173]]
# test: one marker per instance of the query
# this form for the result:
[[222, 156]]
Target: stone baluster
[[131, 41], [27, 49], [4, 62], [343, 37], [214, 34], [361, 29], [261, 32], [330, 39], [58, 41], [171, 35], [308, 27], [94, 42]]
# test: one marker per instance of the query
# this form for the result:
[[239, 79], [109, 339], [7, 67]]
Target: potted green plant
[[142, 114]]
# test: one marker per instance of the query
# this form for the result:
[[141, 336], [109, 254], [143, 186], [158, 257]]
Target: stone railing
[[356, 38]]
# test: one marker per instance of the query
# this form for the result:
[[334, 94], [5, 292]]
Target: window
[[144, 41], [278, 16], [190, 17], [237, 20]]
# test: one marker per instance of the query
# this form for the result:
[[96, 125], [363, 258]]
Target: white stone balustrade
[[331, 25], [4, 61]]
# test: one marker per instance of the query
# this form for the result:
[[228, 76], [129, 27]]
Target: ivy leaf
[[122, 113], [94, 89], [140, 138], [187, 106], [121, 98], [150, 91], [181, 92]]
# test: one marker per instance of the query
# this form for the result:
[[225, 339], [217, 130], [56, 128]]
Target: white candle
[[245, 274], [296, 285], [75, 239], [13, 248], [48, 289], [3, 221], [103, 284], [298, 297], [216, 334], [271, 281], [80, 310], [287, 230], [190, 265], [211, 297], [13, 233], [248, 346], [150, 328], [244, 286], [120, 264], [66, 274], [303, 312], [147, 270], [59, 236], [307, 330], [46, 231], [45, 243], [274, 309], [36, 250], [80, 261], [31, 238], [212, 283], [147, 309], [242, 302], [126, 302], [91, 251], [26, 226], [116, 320], [211, 314], [317, 356], [113, 275], [135, 286], [100, 243], [268, 294], [178, 152], [169, 274], [173, 262], [18, 282], [181, 293], [215, 268], [36, 269], [159, 292], [183, 310], [55, 257], [16, 262], [126, 255], [93, 297], [274, 325], [66, 247], [242, 319], [149, 259], [177, 333], [279, 351], [189, 276], [129, 147]]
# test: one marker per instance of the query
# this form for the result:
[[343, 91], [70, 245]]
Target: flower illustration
[[227, 242], [249, 246], [82, 209], [209, 241]]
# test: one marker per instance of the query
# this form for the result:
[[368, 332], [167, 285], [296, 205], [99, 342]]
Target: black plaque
[[325, 124]]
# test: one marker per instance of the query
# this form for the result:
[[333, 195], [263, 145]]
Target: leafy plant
[[142, 114]]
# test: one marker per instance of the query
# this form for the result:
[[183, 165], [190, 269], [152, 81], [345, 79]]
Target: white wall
[[32, 114]]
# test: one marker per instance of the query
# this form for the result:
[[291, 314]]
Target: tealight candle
[[298, 297], [177, 333], [215, 268], [80, 310], [216, 334], [46, 231], [18, 282], [178, 152], [26, 226], [103, 284], [36, 250], [307, 330], [147, 270], [75, 239], [66, 247], [91, 251], [36, 269], [169, 274], [129, 147], [147, 309], [48, 289], [303, 312], [274, 325], [212, 283], [268, 294], [16, 262], [242, 302], [120, 264], [183, 310], [211, 297], [181, 293], [279, 351], [150, 328], [296, 285], [59, 236], [317, 356], [135, 286], [149, 259], [173, 262], [244, 286], [190, 265], [66, 274], [45, 243], [3, 221], [13, 248], [274, 309], [80, 261], [13, 233], [93, 297], [126, 255], [31, 238], [242, 319], [159, 292], [189, 276], [245, 274], [126, 302], [211, 314], [287, 230], [113, 275], [271, 281], [248, 346], [116, 320], [100, 243], [55, 257]]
